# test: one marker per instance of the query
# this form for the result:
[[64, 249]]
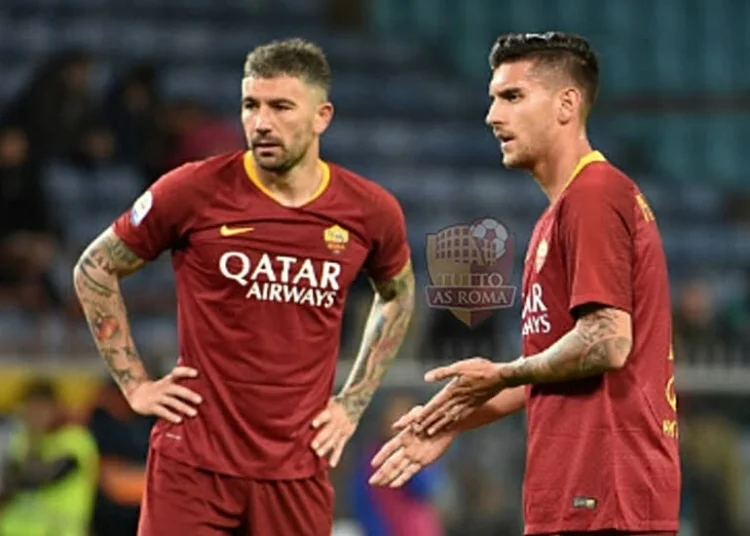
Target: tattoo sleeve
[[600, 341], [96, 279], [384, 332]]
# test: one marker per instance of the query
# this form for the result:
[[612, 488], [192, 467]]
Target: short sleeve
[[390, 250], [596, 229], [155, 221]]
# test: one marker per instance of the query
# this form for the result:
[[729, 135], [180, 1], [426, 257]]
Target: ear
[[323, 117], [570, 101]]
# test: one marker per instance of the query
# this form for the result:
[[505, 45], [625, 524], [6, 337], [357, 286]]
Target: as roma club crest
[[336, 238], [470, 266]]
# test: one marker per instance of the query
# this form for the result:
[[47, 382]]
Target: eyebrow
[[272, 102], [506, 92]]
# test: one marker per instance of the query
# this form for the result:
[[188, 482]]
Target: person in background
[[122, 439], [407, 511], [50, 479]]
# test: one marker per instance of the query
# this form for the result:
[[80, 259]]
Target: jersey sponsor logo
[[283, 278], [336, 238], [535, 315], [141, 208], [231, 231], [470, 266]]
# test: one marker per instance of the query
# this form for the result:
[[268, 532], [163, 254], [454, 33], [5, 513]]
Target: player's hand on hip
[[166, 398], [406, 454], [473, 382], [334, 430]]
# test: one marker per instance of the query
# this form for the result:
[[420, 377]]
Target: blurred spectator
[[27, 237], [50, 479], [712, 471], [55, 104], [197, 133], [696, 322], [122, 438], [407, 511], [133, 108]]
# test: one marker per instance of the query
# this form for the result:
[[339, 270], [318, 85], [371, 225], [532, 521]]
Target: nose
[[493, 115]]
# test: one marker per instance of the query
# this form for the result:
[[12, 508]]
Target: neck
[[296, 186], [554, 171]]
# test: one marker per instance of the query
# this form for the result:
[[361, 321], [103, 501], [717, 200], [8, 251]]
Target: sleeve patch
[[141, 208]]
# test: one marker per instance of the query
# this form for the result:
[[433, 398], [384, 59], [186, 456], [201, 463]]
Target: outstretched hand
[[407, 453], [473, 382]]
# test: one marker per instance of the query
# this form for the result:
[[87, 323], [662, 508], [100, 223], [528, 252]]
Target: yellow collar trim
[[593, 156], [253, 177]]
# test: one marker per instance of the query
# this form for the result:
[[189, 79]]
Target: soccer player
[[265, 245], [596, 376]]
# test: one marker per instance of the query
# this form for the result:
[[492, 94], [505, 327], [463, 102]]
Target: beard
[[279, 159]]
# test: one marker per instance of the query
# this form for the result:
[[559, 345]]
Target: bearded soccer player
[[265, 245], [596, 376]]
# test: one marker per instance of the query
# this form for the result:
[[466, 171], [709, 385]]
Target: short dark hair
[[571, 52], [290, 57]]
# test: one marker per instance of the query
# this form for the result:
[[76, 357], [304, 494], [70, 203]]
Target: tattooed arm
[[600, 341], [96, 278], [384, 332]]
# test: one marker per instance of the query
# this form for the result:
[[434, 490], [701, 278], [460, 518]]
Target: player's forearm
[[507, 402], [384, 333], [599, 343], [96, 280]]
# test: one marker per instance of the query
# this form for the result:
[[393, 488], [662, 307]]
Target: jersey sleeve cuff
[[607, 300], [133, 246]]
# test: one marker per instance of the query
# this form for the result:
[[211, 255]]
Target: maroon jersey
[[261, 291], [602, 451]]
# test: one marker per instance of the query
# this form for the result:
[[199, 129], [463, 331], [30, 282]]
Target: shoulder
[[600, 181], [372, 196], [197, 173]]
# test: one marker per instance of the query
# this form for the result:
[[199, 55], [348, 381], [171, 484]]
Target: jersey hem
[[271, 474], [535, 529]]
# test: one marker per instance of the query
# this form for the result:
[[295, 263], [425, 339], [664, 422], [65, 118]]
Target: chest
[[285, 248]]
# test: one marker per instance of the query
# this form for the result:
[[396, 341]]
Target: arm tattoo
[[591, 348], [384, 332], [96, 279]]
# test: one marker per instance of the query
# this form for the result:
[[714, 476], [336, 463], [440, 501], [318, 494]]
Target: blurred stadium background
[[98, 97]]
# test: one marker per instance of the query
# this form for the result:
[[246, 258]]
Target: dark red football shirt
[[602, 451], [261, 290]]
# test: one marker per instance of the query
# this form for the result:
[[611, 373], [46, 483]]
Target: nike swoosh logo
[[231, 231]]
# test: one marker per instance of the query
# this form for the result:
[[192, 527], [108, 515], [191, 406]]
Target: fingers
[[408, 418], [164, 413], [436, 408], [409, 471], [184, 393], [396, 470], [178, 405], [389, 469], [337, 452], [448, 418], [183, 372], [325, 440], [386, 451], [442, 373], [323, 418]]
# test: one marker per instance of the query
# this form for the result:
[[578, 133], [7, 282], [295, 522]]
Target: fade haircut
[[570, 53], [291, 57]]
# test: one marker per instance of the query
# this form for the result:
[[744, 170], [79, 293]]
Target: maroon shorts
[[181, 500]]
